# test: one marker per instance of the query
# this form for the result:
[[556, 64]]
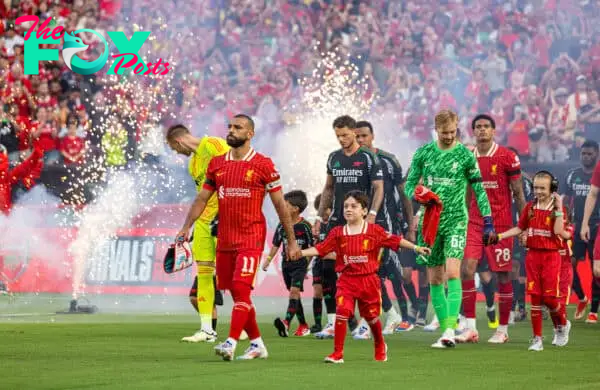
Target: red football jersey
[[538, 222], [596, 176], [357, 254], [241, 186], [498, 168], [72, 145]]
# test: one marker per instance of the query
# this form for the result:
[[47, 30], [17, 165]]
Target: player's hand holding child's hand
[[294, 252]]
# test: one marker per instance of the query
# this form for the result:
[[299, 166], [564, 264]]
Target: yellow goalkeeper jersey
[[209, 147]]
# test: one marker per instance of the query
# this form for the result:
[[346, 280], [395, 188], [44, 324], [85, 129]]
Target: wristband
[[269, 258], [416, 249], [558, 214], [499, 236], [372, 212]]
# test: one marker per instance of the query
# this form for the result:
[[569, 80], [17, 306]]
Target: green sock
[[454, 301], [440, 304]]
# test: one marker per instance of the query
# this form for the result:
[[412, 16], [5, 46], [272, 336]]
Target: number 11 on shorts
[[248, 265]]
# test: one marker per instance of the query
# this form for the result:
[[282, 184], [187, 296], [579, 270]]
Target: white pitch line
[[26, 314]]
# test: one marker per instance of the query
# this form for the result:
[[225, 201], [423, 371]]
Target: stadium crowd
[[533, 65]]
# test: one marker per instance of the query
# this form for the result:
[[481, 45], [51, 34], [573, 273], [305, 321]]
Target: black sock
[[352, 323], [423, 300], [577, 289], [488, 290], [329, 303], [412, 295], [386, 303], [595, 295], [300, 313], [516, 297], [522, 295], [317, 310], [402, 304], [214, 324], [329, 288], [291, 310]]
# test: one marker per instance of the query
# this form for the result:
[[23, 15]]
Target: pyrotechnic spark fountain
[[334, 88]]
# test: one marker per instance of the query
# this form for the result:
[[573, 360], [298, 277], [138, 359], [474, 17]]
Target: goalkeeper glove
[[489, 234]]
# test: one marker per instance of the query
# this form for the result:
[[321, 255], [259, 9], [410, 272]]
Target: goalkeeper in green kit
[[439, 174]]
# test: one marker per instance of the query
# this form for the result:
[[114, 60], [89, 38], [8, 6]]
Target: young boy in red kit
[[357, 246], [543, 220]]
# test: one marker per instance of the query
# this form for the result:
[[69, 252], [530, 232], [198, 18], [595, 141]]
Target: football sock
[[577, 289], [469, 298], [536, 315], [317, 310], [300, 313], [440, 304], [454, 301], [291, 310], [505, 298]]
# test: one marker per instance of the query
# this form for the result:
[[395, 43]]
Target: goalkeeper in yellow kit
[[204, 244]]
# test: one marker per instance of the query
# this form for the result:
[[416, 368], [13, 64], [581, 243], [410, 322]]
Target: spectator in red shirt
[[72, 146]]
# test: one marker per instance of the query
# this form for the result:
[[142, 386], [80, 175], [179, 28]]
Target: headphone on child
[[553, 180]]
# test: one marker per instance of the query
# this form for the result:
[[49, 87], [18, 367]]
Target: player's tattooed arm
[[326, 197], [195, 211], [286, 221], [516, 186], [326, 203]]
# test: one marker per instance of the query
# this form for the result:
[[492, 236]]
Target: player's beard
[[235, 142]]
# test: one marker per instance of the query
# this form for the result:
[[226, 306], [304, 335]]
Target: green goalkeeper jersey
[[447, 173]]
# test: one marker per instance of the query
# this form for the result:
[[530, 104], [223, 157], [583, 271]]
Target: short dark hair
[[248, 118], [317, 202], [589, 143], [360, 124], [360, 197], [297, 198], [176, 131], [483, 116], [344, 121]]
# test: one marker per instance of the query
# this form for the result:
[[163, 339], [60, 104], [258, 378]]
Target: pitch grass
[[143, 352]]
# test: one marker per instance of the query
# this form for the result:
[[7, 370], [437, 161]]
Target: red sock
[[376, 329], [341, 326], [505, 298], [536, 315], [251, 325], [469, 298], [241, 309], [556, 312]]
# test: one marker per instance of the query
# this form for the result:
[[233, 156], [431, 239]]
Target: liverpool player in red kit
[[241, 178], [357, 245], [501, 174], [543, 220]]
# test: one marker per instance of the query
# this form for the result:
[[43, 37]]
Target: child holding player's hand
[[357, 246]]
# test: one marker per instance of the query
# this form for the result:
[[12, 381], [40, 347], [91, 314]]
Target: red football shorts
[[543, 272], [566, 277], [597, 246], [499, 256], [239, 266], [364, 289]]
